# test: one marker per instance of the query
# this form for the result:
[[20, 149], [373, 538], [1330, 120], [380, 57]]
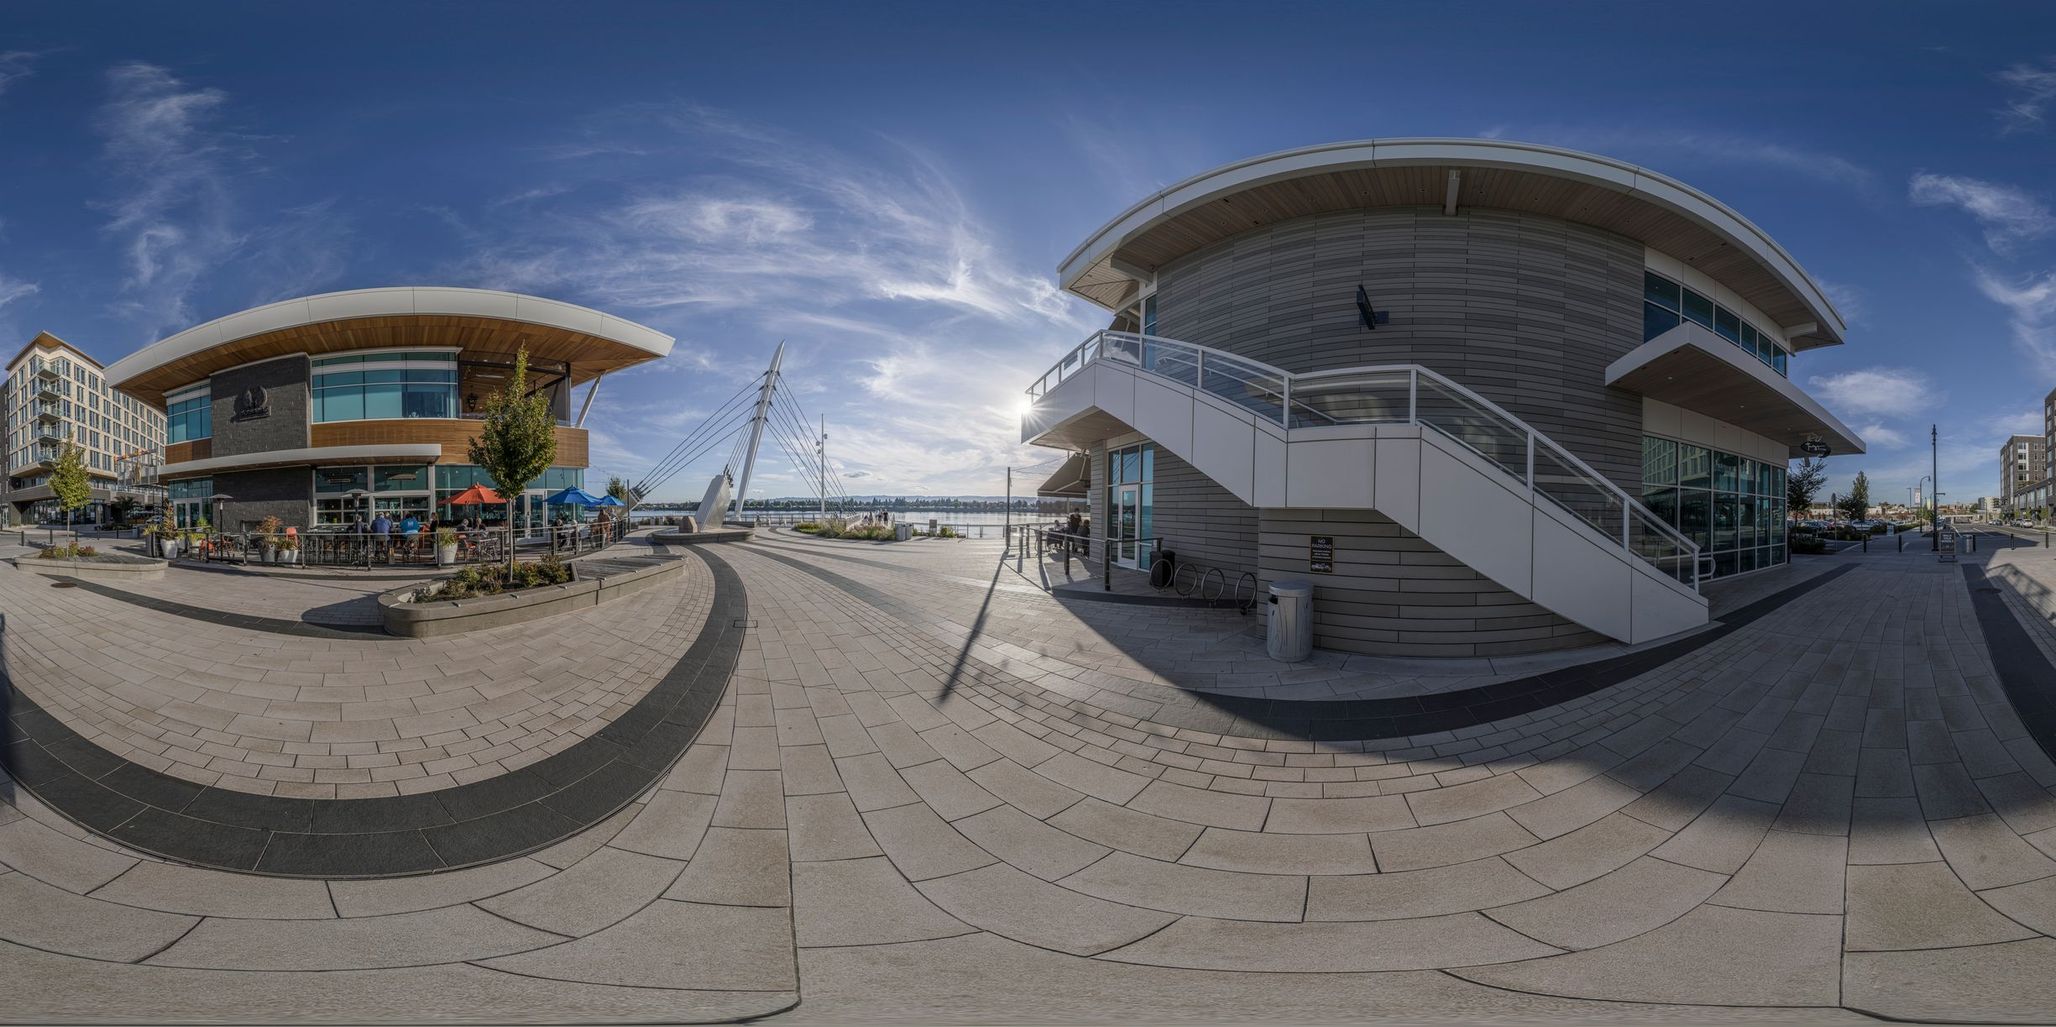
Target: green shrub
[[70, 551], [1808, 544], [493, 579], [810, 527]]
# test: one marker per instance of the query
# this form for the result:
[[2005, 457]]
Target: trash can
[[1162, 568], [902, 531], [1289, 632]]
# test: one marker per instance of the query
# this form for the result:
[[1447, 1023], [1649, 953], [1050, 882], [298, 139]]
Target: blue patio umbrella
[[610, 500], [573, 496]]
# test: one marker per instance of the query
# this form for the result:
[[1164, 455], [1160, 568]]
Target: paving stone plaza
[[830, 781]]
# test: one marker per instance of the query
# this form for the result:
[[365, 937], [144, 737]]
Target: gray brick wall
[[285, 386], [1526, 310], [282, 492]]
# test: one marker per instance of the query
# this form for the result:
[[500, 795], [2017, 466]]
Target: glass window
[[1131, 465], [382, 401], [412, 478], [1728, 326], [1749, 338], [1659, 461], [1764, 350], [1695, 515], [1695, 466], [1698, 308], [1656, 321], [341, 404], [1726, 468], [1663, 502], [1149, 315], [1777, 362], [1659, 290], [338, 479]]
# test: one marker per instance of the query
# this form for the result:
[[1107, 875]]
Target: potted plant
[[267, 535], [289, 548], [445, 547]]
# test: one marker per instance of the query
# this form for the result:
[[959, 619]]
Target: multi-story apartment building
[[54, 394], [2023, 464]]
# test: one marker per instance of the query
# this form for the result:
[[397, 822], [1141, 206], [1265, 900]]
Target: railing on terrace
[[1399, 394], [366, 549]]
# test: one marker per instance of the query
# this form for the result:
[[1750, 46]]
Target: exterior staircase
[[1437, 458]]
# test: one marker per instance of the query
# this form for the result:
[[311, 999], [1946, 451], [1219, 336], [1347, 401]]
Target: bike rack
[[1220, 581], [1245, 605]]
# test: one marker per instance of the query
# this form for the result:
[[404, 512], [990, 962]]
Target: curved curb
[[467, 825]]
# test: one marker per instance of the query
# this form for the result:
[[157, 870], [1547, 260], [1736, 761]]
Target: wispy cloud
[[1695, 147], [894, 293], [16, 65], [1851, 302], [1877, 435], [2030, 304], [12, 289], [2009, 215], [2033, 87], [172, 209], [1876, 391]]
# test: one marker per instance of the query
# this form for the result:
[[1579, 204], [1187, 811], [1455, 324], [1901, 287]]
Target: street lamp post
[[1935, 500], [217, 499]]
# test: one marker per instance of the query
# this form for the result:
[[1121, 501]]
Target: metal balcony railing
[[1400, 394]]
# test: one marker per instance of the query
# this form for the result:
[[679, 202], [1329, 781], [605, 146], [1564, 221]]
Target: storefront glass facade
[[1732, 506], [424, 491]]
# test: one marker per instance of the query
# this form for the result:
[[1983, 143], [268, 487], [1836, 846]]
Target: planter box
[[599, 582], [134, 568]]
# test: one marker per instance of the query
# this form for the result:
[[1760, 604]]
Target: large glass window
[[189, 418], [378, 386], [1665, 303], [1732, 506]]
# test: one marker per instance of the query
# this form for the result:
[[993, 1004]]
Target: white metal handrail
[[1281, 397]]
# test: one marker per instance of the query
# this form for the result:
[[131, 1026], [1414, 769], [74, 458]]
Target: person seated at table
[[410, 528]]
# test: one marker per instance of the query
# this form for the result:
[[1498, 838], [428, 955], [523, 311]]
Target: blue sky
[[890, 186]]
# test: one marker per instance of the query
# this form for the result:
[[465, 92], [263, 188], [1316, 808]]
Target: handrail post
[[1531, 468], [1285, 409], [1413, 394], [1199, 369]]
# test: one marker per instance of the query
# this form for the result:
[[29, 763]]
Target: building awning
[[402, 452], [1070, 479], [1692, 368]]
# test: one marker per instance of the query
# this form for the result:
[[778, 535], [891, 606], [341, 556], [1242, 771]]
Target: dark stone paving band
[[2024, 672], [248, 621], [466, 825], [1340, 720]]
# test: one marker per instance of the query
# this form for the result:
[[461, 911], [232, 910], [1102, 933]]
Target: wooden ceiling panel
[[475, 337]]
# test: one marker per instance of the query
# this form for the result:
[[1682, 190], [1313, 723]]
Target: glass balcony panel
[[1476, 426], [1593, 501], [1171, 360], [1248, 385], [1368, 397]]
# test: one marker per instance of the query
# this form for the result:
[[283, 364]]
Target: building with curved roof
[[320, 408], [1306, 348]]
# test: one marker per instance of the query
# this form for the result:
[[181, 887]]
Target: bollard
[[1866, 543], [1902, 541]]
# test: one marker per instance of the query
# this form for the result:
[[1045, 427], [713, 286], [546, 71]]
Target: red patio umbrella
[[474, 496]]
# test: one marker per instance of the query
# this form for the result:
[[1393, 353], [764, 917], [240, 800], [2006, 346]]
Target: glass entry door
[[1127, 523]]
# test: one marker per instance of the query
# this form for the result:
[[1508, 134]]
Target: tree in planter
[[1803, 482], [517, 441], [1857, 502], [68, 482]]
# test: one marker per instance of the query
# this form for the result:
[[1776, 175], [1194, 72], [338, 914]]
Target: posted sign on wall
[[1320, 555]]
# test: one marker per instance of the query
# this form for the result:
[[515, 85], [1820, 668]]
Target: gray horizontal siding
[[1393, 594], [1527, 310]]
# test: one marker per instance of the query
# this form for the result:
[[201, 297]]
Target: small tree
[[1803, 482], [517, 441], [618, 488], [68, 481], [1857, 502]]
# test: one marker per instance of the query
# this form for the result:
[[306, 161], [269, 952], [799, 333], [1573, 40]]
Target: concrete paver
[[896, 814]]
